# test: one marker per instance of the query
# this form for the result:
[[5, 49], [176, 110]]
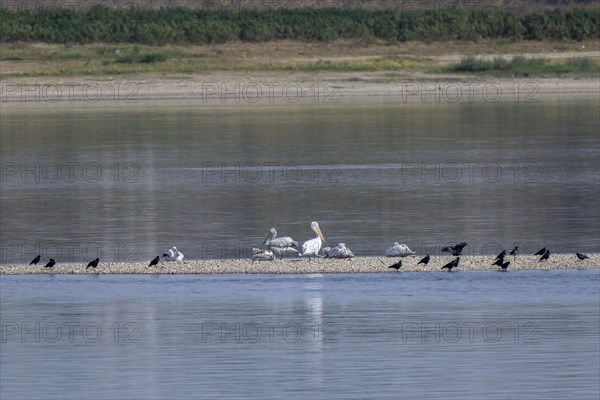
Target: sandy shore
[[321, 266], [267, 89], [238, 74]]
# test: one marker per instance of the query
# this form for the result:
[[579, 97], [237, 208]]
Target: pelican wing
[[284, 251], [178, 256], [169, 255], [264, 255], [340, 251], [346, 253], [311, 247], [399, 250], [285, 241]]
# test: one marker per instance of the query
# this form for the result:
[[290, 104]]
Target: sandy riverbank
[[272, 88], [252, 74], [321, 266]]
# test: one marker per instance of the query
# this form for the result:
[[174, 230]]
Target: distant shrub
[[141, 58], [472, 64]]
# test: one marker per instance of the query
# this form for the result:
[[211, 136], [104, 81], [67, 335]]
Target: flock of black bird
[[456, 251], [51, 263]]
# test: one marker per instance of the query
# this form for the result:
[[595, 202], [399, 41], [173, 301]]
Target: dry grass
[[30, 60]]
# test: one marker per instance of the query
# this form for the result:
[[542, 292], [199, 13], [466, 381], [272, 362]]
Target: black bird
[[581, 256], [93, 263], [540, 252], [514, 252], [545, 256], [154, 261], [501, 255], [397, 265], [505, 265], [50, 263], [35, 260], [452, 264], [424, 260], [498, 262], [456, 250]]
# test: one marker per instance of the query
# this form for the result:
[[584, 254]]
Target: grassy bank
[[188, 26], [136, 59], [31, 60]]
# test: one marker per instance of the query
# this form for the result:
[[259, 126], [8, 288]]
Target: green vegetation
[[140, 57], [189, 26], [520, 66], [28, 60], [128, 59]]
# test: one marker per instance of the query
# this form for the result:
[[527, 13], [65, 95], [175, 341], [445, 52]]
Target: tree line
[[189, 26]]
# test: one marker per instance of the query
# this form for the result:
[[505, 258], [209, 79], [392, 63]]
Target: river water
[[468, 335], [127, 183]]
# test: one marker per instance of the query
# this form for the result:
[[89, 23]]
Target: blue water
[[468, 335], [126, 184]]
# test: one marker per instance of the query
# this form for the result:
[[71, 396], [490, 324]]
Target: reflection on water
[[127, 184], [409, 335]]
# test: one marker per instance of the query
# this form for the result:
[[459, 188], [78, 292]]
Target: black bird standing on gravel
[[35, 260], [452, 264], [581, 256], [50, 263], [504, 266], [540, 252], [396, 266], [514, 252], [455, 250], [545, 256], [154, 261], [498, 261], [501, 255], [93, 263], [424, 260]]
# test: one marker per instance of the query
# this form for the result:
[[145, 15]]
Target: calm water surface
[[468, 335], [125, 184]]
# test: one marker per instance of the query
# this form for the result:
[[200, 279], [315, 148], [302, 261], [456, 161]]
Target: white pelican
[[273, 241], [172, 255], [169, 255], [339, 251], [284, 251], [262, 255], [311, 247], [178, 255], [282, 246], [399, 250]]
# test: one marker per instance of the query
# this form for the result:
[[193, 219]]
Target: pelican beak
[[321, 234], [267, 238]]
